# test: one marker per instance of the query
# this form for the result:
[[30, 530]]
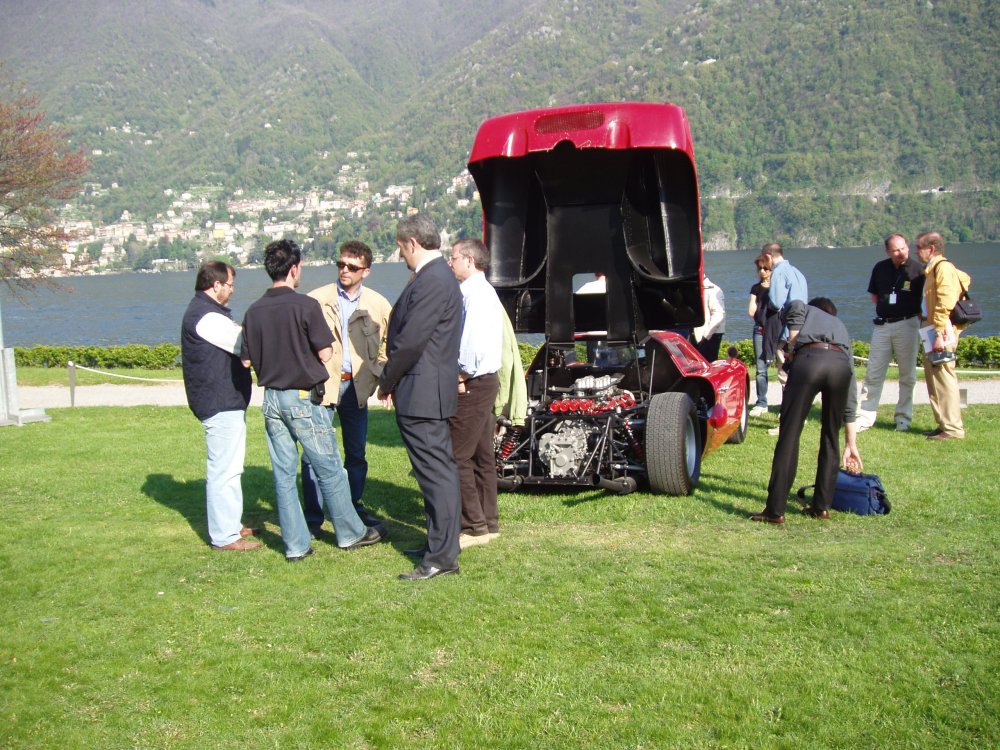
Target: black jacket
[[214, 380]]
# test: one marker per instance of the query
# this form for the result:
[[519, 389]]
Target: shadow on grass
[[187, 498], [402, 507], [713, 491]]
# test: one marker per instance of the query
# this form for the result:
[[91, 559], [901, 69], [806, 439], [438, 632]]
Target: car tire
[[741, 432], [673, 444]]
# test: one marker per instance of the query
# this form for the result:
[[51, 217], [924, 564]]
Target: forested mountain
[[815, 122]]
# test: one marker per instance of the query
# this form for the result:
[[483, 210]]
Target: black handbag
[[966, 310]]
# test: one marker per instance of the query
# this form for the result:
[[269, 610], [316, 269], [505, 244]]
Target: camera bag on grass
[[863, 494]]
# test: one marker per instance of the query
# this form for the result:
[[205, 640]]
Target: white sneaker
[[774, 430], [902, 425], [758, 411], [862, 427]]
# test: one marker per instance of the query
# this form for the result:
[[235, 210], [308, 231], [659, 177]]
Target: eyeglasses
[[227, 283], [341, 264], [455, 258]]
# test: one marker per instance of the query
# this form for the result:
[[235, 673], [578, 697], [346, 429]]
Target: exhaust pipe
[[621, 486], [510, 484]]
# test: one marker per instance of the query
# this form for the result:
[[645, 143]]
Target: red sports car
[[617, 394]]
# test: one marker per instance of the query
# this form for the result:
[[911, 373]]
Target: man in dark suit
[[421, 376]]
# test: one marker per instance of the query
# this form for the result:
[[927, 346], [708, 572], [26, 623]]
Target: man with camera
[[287, 341], [896, 287], [942, 289]]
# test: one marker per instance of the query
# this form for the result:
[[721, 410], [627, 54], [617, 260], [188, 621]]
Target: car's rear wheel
[[741, 432], [673, 444]]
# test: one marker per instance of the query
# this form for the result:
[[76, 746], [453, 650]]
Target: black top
[[282, 331], [760, 292], [906, 282], [214, 380]]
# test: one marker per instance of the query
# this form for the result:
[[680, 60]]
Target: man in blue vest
[[218, 391]]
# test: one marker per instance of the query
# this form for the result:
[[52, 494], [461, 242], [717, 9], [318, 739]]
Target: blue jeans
[[290, 418], [225, 438], [354, 432], [761, 364]]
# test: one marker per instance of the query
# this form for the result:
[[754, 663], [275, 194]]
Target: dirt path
[[58, 396]]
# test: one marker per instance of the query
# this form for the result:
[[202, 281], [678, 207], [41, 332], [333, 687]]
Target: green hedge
[[972, 351], [130, 357]]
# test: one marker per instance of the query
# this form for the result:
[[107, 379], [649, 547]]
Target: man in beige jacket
[[359, 316], [942, 288]]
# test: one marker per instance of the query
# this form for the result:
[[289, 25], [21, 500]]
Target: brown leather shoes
[[816, 513], [247, 531], [943, 436], [932, 433], [240, 545], [764, 518]]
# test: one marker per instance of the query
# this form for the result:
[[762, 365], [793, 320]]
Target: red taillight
[[718, 416]]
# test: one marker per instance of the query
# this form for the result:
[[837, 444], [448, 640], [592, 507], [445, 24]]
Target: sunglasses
[[341, 264]]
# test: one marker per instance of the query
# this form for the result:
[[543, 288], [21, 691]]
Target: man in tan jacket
[[942, 288], [359, 316]]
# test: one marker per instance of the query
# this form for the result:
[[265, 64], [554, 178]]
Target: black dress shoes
[[423, 572], [300, 558], [764, 518], [373, 535]]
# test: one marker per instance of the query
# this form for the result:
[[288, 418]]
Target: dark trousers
[[354, 433], [428, 444], [709, 348], [814, 371], [472, 429]]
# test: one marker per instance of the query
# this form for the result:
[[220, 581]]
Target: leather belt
[[345, 376], [821, 345], [883, 321]]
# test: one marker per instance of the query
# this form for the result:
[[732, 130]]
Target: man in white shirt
[[474, 425], [218, 391]]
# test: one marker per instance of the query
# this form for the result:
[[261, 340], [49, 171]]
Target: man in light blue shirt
[[474, 425], [787, 285], [787, 282]]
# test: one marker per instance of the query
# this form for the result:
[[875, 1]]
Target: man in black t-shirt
[[287, 341], [896, 287]]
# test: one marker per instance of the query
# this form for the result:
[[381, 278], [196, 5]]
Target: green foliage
[[132, 356], [744, 351], [973, 351], [528, 352]]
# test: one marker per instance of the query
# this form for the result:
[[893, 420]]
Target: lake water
[[146, 308]]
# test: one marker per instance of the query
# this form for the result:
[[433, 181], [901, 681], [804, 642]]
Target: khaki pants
[[942, 388], [899, 339]]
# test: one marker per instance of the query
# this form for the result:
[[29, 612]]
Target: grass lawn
[[593, 621]]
